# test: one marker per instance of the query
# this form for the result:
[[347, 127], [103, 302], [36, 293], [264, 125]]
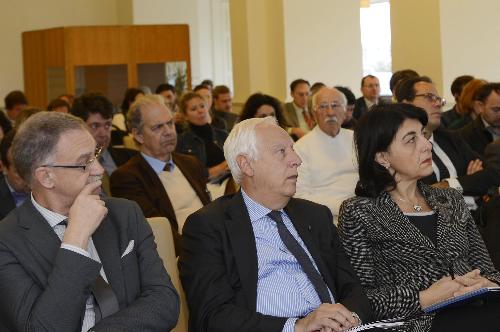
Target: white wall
[[323, 42], [470, 44], [25, 15]]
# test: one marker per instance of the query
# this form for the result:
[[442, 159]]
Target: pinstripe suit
[[395, 261]]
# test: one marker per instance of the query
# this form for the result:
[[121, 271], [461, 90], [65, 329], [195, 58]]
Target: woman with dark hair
[[260, 105], [200, 138], [412, 245]]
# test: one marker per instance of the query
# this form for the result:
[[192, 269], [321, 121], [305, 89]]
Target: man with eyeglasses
[[454, 163], [70, 260], [370, 90], [97, 112], [328, 174]]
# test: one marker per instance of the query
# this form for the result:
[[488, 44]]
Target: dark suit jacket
[[218, 265], [461, 154], [492, 155], [476, 135], [360, 108], [45, 287], [395, 261], [121, 155], [290, 115], [137, 181], [450, 116], [7, 202]]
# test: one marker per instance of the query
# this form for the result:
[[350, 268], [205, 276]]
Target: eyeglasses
[[86, 166], [96, 125], [433, 98], [334, 106]]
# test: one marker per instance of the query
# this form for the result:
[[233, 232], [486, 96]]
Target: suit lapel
[[7, 201], [302, 227], [242, 239], [108, 247]]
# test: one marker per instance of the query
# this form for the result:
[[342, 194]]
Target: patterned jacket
[[395, 261]]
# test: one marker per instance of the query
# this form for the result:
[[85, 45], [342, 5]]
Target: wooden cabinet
[[106, 59]]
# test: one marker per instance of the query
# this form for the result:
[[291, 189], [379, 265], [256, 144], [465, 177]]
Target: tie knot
[[64, 222], [167, 167], [276, 216]]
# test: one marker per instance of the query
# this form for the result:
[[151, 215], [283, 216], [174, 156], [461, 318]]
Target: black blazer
[[45, 287], [476, 135], [121, 155], [218, 265], [461, 155], [360, 108], [395, 261], [7, 202]]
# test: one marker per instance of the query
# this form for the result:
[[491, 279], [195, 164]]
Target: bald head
[[329, 106]]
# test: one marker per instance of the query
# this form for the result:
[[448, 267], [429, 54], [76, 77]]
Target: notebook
[[382, 324], [462, 298]]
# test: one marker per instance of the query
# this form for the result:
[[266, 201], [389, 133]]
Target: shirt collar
[[256, 211], [53, 218], [157, 164]]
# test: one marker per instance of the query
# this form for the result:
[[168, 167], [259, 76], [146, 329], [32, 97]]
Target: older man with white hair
[[328, 174], [260, 260]]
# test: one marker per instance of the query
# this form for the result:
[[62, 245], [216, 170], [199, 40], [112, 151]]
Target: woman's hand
[[442, 289]]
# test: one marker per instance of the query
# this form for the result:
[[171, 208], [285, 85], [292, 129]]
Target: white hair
[[242, 140], [314, 100]]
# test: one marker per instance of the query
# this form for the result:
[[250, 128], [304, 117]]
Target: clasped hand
[[327, 318]]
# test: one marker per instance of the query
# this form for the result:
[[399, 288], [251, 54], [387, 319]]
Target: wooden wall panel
[[35, 72]]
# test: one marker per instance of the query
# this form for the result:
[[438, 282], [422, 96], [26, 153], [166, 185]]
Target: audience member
[[298, 116], [399, 76], [467, 107], [5, 125], [260, 105], [200, 138], [260, 260], [454, 163], [206, 93], [328, 174], [25, 114], [162, 182], [411, 244], [15, 102], [457, 86], [120, 119], [349, 120], [223, 118], [97, 112], [167, 91], [13, 189], [67, 97], [78, 263], [370, 90], [485, 128], [58, 105], [208, 83]]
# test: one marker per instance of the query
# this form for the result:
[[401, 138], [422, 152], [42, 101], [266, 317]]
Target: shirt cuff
[[75, 249], [290, 325], [453, 183]]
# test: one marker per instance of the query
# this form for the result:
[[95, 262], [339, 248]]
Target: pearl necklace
[[416, 207]]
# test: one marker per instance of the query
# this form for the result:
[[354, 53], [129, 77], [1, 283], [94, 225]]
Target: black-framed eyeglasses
[[85, 167], [433, 98]]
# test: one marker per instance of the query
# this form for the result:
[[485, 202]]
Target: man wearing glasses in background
[[69, 260], [454, 163], [370, 88], [97, 112], [328, 174]]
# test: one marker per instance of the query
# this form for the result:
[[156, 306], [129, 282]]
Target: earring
[[387, 166]]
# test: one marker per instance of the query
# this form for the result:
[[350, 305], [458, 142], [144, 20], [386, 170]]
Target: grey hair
[[134, 115], [315, 97], [242, 140], [36, 140]]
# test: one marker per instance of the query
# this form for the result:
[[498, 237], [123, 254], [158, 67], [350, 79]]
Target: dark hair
[[220, 90], [201, 87], [406, 89], [14, 98], [374, 133], [255, 101], [92, 102], [458, 84], [164, 87], [208, 83], [129, 98], [296, 82], [351, 98], [484, 92], [364, 78], [5, 146], [401, 75], [5, 123], [56, 103]]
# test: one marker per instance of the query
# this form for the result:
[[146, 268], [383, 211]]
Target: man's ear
[[381, 159], [45, 177], [138, 137], [244, 164]]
